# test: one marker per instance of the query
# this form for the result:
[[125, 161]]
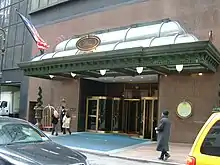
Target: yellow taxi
[[206, 148]]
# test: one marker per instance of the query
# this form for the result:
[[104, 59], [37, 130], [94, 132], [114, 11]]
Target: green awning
[[199, 56]]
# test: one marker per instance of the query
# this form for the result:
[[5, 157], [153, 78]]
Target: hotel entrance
[[134, 117]]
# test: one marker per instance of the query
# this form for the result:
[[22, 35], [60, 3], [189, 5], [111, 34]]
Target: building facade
[[13, 83], [195, 88]]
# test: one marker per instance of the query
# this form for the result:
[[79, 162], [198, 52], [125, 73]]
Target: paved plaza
[[121, 147]]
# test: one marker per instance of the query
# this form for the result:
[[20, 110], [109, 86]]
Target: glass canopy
[[165, 33]]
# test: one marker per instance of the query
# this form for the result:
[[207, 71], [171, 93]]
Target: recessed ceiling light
[[200, 74], [142, 77], [130, 80], [123, 78]]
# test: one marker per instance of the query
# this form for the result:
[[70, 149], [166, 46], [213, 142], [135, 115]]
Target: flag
[[41, 44]]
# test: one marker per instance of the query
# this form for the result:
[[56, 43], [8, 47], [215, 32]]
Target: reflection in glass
[[1, 17], [7, 2], [43, 3], [104, 122], [34, 4], [131, 114], [149, 118], [92, 110], [6, 16], [52, 1], [116, 114]]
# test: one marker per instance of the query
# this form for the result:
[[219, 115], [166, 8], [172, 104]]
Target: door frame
[[153, 99], [96, 98], [113, 102], [87, 114], [125, 110]]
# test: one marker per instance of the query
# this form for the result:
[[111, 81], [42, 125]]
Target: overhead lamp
[[51, 76], [102, 72], [200, 74], [139, 69], [72, 74], [179, 68]]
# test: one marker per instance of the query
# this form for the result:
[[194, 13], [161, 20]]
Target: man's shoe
[[160, 158], [167, 157]]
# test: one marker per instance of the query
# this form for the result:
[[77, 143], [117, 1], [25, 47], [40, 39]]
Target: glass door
[[115, 122], [92, 114], [149, 114], [104, 114], [131, 116]]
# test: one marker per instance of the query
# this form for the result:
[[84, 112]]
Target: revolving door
[[149, 115], [97, 114], [131, 116], [116, 115]]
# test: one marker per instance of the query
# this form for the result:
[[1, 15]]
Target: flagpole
[[41, 51]]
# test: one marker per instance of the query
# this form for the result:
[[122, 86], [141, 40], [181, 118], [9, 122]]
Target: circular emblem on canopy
[[184, 110], [88, 43]]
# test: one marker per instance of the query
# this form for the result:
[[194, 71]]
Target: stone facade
[[198, 17], [54, 92]]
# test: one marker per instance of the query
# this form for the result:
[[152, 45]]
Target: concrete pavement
[[105, 160], [122, 147]]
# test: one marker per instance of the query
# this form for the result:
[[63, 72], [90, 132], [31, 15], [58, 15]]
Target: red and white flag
[[41, 44]]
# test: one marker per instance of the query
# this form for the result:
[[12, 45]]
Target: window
[[43, 3], [40, 4], [211, 143], [11, 133], [34, 4]]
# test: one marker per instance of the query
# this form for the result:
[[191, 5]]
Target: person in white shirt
[[66, 123]]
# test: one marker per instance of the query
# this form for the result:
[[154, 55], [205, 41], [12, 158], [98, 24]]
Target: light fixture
[[72, 74], [179, 68], [139, 69], [51, 76], [102, 72], [200, 74], [142, 77]]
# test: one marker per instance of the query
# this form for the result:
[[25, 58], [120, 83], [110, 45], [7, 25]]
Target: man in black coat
[[163, 136]]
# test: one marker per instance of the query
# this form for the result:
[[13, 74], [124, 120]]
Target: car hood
[[41, 153]]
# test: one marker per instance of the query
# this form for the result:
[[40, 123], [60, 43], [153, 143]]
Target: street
[[104, 160]]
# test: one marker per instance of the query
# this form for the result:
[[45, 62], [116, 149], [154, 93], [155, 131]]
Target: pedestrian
[[62, 114], [163, 136], [55, 119], [66, 123]]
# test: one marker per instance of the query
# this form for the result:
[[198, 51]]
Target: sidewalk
[[147, 152], [110, 145]]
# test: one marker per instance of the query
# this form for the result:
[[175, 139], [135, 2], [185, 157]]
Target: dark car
[[21, 143]]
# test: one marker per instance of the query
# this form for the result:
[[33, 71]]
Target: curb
[[122, 157]]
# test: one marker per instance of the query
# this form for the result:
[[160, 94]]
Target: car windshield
[[11, 133]]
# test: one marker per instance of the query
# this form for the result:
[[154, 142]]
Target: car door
[[208, 146]]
